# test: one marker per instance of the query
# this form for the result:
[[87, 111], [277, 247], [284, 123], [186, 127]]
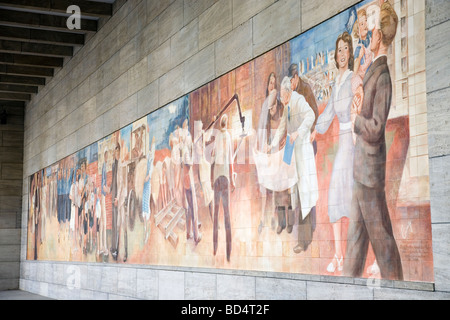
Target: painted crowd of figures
[[360, 99]]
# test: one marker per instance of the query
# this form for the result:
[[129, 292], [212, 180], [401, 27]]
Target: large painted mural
[[311, 159]]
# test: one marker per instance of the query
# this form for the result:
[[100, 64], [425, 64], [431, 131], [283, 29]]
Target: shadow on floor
[[20, 295]]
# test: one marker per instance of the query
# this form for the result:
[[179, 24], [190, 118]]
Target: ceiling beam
[[31, 60], [41, 36], [25, 70], [35, 39], [35, 48], [36, 81], [12, 104], [43, 21], [88, 8], [15, 96], [18, 88]]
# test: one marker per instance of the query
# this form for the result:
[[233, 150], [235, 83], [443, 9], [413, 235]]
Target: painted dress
[[341, 183]]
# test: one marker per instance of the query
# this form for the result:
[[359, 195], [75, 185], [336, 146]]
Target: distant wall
[[11, 164]]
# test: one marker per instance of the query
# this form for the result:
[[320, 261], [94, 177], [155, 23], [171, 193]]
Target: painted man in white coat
[[297, 121]]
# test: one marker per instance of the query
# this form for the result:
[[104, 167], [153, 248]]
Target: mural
[[304, 160]]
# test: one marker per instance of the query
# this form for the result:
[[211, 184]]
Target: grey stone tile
[[40, 273], [440, 189], [6, 285], [137, 76], [137, 19], [171, 285], [335, 291], [83, 138], [155, 8], [96, 129], [94, 278], [147, 284], [109, 280], [437, 11], [147, 99], [315, 12], [275, 25], [200, 286], [147, 40], [60, 276], [115, 93], [128, 111], [396, 294], [184, 43], [71, 144], [215, 22], [9, 270], [159, 62], [63, 293], [127, 282], [49, 273], [171, 20], [234, 49], [128, 55], [441, 255], [119, 297], [437, 56], [194, 77], [171, 85], [76, 276], [438, 119], [113, 68], [9, 253], [280, 289], [8, 220], [230, 287], [111, 121], [244, 10], [192, 9], [92, 295]]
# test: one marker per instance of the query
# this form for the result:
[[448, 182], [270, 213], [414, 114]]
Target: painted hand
[[362, 52], [313, 136], [293, 137], [358, 100]]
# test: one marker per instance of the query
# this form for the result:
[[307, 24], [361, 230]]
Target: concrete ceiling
[[35, 41]]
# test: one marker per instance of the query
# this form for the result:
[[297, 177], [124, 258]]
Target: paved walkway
[[20, 295]]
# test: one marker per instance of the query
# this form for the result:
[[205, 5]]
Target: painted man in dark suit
[[370, 220]]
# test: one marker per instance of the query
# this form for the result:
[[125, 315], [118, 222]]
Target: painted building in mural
[[303, 160]]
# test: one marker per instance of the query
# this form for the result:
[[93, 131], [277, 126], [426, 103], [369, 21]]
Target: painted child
[[363, 55]]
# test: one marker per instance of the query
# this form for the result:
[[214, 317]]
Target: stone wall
[[153, 52], [11, 154], [437, 23]]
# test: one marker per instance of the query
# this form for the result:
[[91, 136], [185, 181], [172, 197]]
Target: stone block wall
[[152, 52], [437, 23], [11, 154]]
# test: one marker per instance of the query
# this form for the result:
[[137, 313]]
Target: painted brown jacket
[[370, 148]]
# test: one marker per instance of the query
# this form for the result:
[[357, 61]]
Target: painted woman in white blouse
[[341, 183]]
